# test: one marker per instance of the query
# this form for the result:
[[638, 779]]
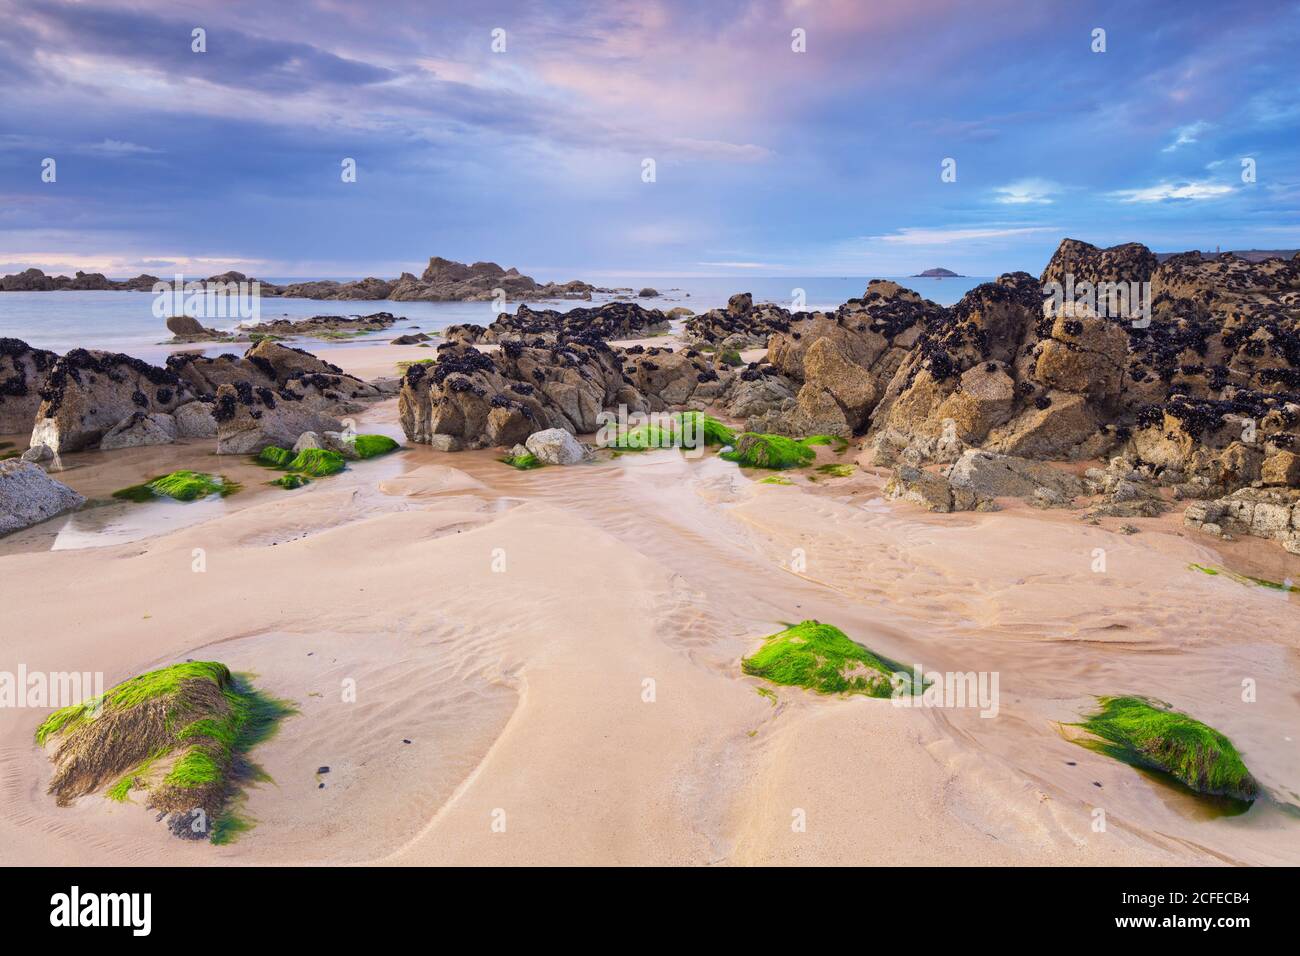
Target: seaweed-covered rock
[[28, 496], [671, 379], [1152, 734], [179, 736], [822, 658]]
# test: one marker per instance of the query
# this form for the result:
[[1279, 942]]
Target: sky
[[804, 137]]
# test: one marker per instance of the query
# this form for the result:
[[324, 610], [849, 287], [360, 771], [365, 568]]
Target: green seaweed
[[1285, 586], [199, 712], [1150, 733], [697, 426], [372, 446], [837, 470], [317, 462], [822, 658], [757, 450], [275, 456], [179, 486], [290, 481], [775, 480], [731, 357], [523, 462]]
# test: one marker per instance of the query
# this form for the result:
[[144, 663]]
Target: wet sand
[[561, 647]]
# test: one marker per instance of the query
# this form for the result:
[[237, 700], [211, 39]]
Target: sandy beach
[[546, 665]]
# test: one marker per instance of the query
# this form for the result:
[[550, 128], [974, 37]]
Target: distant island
[[938, 274]]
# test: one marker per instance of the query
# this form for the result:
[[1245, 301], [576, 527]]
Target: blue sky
[[767, 161]]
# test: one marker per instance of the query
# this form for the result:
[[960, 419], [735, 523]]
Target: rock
[[1064, 428], [741, 303], [828, 370], [555, 446], [249, 419], [140, 429], [87, 393], [38, 453], [1087, 355], [28, 496], [615, 320], [447, 443], [307, 440], [194, 420], [673, 379], [991, 475], [337, 441], [933, 492], [648, 293], [501, 398], [408, 339], [22, 372], [1282, 468], [189, 329], [984, 401], [754, 394]]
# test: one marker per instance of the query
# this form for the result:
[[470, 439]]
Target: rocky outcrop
[[991, 475], [741, 325], [269, 364], [1263, 512], [673, 379], [933, 491], [615, 320], [249, 417], [28, 496], [474, 399], [86, 394], [442, 281], [22, 371]]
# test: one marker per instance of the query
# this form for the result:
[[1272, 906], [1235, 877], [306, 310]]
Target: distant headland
[[938, 274]]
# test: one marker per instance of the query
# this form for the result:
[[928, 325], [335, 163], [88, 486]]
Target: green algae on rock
[[757, 450], [275, 456], [822, 658], [1150, 733], [179, 486], [290, 481], [178, 735], [317, 462], [372, 446], [523, 462]]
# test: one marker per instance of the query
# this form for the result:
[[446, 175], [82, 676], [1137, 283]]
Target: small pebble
[[405, 741], [1071, 763], [322, 769], [321, 787], [1096, 783]]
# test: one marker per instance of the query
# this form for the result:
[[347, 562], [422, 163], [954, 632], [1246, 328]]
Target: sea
[[128, 322]]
